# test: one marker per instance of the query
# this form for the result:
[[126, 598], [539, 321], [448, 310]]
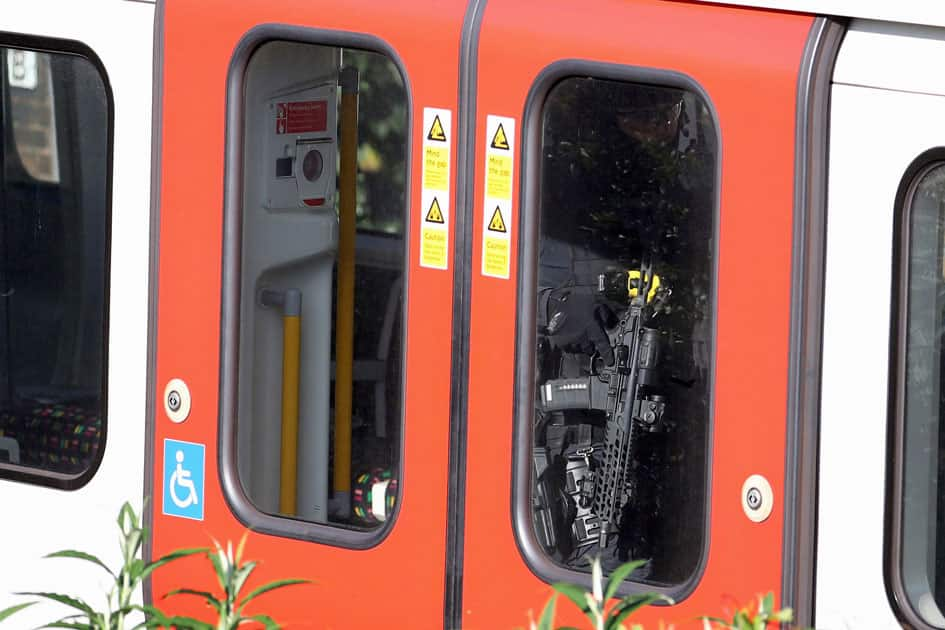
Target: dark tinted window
[[54, 134], [624, 357]]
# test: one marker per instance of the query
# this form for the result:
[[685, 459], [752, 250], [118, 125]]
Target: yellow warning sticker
[[434, 246], [436, 167], [495, 258], [435, 193], [499, 139], [497, 219], [496, 224], [499, 176], [437, 132], [434, 214]]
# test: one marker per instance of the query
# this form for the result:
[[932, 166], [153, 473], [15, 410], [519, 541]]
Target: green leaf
[[6, 612], [80, 555], [547, 619], [271, 586], [619, 574], [174, 555], [767, 604], [573, 592], [209, 597], [72, 602], [239, 578], [153, 617], [268, 622], [628, 605], [188, 623], [241, 546], [68, 624], [785, 615]]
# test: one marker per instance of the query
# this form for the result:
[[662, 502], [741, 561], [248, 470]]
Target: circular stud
[[757, 498], [177, 400]]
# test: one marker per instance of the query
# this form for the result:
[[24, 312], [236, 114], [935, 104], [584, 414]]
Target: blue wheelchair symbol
[[183, 479]]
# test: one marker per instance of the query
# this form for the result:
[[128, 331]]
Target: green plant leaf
[[189, 591], [6, 612], [627, 606], [573, 592], [72, 602], [767, 605], [271, 586], [268, 622], [80, 555], [174, 555], [154, 617], [241, 546], [547, 619], [68, 624], [785, 615], [619, 574], [188, 623], [239, 578]]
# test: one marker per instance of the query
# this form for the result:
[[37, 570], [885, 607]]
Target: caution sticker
[[497, 209], [435, 197]]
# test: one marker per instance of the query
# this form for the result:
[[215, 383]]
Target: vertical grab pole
[[344, 317], [291, 302], [291, 338]]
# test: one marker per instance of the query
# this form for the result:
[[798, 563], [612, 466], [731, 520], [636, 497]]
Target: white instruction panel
[[435, 198], [497, 217]]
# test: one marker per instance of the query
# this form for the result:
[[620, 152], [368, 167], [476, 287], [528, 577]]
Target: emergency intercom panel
[[301, 147]]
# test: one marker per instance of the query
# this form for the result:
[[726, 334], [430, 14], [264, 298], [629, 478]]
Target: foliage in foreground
[[232, 574], [594, 603], [758, 616], [761, 615]]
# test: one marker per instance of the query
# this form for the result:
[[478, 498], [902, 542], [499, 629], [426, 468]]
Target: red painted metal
[[400, 582], [747, 62]]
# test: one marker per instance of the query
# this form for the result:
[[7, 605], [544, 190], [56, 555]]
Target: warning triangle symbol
[[434, 214], [499, 141], [436, 131], [497, 223]]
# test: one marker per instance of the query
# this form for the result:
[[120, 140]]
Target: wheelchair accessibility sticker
[[183, 479]]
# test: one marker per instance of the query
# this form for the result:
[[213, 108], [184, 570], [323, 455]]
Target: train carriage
[[442, 300]]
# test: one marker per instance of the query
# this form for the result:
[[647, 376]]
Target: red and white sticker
[[301, 116]]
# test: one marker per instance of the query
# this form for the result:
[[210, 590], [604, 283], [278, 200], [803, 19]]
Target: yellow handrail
[[291, 337], [344, 315]]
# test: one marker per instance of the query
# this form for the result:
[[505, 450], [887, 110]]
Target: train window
[[623, 354], [920, 420], [54, 225], [321, 285]]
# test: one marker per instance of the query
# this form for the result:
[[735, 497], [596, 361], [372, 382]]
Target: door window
[[321, 284], [623, 354]]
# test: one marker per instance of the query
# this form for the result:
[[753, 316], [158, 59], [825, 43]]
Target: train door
[[307, 165], [74, 197], [880, 555], [631, 231]]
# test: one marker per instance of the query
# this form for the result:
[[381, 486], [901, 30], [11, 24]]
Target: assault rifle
[[626, 391]]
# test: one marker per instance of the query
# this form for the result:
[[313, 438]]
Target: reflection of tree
[[628, 189], [382, 124]]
